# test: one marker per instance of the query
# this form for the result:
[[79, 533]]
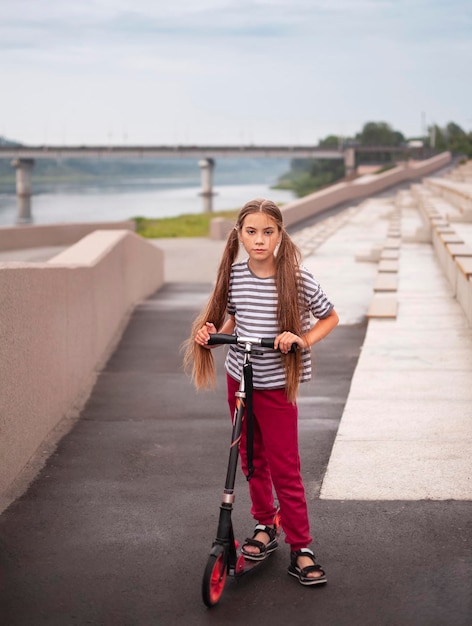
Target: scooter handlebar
[[222, 338]]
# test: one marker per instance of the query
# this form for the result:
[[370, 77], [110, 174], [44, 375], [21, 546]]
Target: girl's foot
[[303, 566], [263, 542]]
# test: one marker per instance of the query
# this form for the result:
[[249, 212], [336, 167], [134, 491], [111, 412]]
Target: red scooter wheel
[[214, 578]]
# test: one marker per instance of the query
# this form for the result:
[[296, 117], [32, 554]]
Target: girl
[[269, 294]]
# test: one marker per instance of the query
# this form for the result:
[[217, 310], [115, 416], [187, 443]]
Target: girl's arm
[[319, 331], [203, 334]]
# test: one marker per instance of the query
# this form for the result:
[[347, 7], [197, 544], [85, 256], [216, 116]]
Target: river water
[[167, 195]]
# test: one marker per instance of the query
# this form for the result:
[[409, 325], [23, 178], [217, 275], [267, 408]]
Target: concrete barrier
[[59, 322], [313, 204], [458, 194], [220, 228], [462, 173], [464, 285], [384, 302], [440, 240], [453, 254], [46, 235], [363, 187]]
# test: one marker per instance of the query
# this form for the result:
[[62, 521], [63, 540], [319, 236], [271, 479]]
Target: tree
[[379, 134], [452, 138], [308, 175], [331, 141], [454, 131]]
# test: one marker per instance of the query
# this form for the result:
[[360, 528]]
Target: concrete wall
[[459, 194], [363, 187], [45, 235], [308, 206], [59, 322], [453, 254]]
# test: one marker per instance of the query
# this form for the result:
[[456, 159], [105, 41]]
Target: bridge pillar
[[350, 162], [23, 189], [207, 166]]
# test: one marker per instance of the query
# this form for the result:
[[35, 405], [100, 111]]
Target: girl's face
[[259, 235]]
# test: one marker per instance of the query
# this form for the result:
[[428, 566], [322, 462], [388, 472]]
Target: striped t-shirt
[[253, 303]]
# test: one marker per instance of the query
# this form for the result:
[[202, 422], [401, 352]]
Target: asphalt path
[[116, 529]]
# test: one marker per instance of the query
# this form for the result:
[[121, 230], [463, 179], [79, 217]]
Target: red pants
[[276, 462]]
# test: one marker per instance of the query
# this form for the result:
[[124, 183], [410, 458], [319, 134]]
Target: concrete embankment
[[117, 527], [60, 321], [351, 191]]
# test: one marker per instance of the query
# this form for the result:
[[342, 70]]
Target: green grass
[[193, 225]]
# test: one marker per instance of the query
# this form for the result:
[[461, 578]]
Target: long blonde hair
[[288, 283]]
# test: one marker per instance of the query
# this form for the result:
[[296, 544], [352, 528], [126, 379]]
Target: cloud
[[218, 70], [46, 23]]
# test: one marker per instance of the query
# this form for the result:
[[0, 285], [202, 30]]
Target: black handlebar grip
[[269, 343], [221, 338]]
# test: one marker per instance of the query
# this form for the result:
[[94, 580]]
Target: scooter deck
[[245, 566]]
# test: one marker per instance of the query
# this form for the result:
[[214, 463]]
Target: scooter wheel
[[277, 522], [214, 578]]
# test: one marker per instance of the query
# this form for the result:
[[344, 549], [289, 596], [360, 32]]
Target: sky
[[215, 72]]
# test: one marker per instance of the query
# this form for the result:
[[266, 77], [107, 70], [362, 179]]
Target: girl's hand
[[285, 340], [203, 335]]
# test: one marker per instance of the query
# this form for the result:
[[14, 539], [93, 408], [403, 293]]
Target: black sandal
[[302, 573], [264, 549]]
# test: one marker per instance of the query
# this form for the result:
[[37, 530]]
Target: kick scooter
[[224, 559]]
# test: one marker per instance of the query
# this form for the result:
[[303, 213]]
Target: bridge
[[182, 151], [23, 159]]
